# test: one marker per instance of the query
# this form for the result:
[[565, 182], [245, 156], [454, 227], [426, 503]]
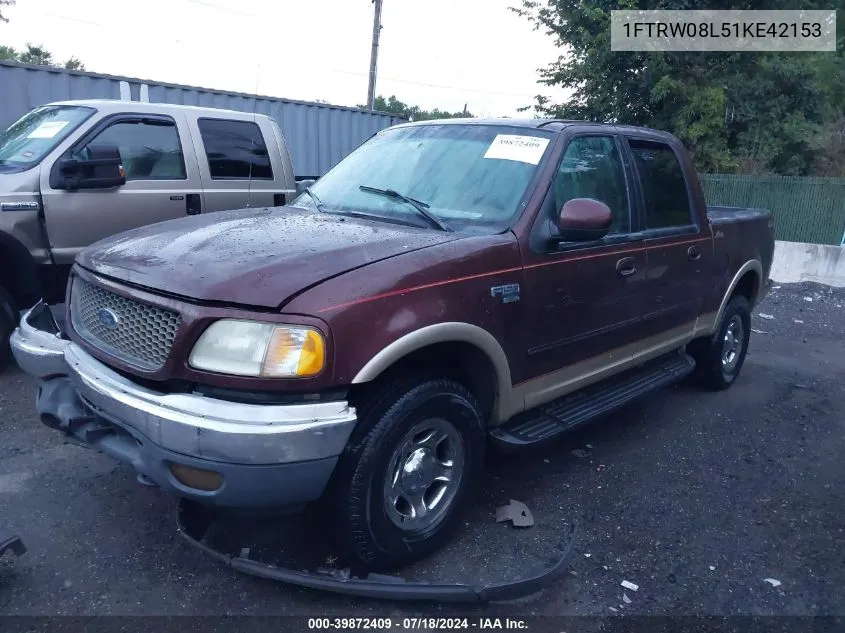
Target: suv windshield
[[471, 177], [30, 138]]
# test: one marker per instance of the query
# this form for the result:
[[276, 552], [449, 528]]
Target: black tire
[[712, 370], [364, 520], [8, 322]]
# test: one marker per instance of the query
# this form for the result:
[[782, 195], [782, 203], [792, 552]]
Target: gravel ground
[[695, 497]]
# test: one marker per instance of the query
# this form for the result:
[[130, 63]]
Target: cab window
[[149, 148], [591, 167], [235, 150], [663, 185]]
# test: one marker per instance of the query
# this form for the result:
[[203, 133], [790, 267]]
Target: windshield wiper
[[314, 197], [422, 207]]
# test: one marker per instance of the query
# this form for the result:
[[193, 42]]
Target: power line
[[179, 42], [211, 5]]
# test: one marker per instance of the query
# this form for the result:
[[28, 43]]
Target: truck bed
[[726, 215], [741, 234]]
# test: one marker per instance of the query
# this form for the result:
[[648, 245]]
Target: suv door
[[237, 170], [162, 183], [679, 250], [584, 297]]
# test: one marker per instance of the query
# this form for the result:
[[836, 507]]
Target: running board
[[550, 421]]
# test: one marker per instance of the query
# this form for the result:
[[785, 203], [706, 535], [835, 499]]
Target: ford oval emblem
[[108, 318]]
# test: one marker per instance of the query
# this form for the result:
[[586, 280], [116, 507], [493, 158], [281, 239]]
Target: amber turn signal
[[205, 480]]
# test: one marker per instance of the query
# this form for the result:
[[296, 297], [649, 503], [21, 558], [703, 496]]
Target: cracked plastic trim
[[194, 520]]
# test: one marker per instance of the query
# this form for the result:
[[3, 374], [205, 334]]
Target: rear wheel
[[413, 463], [8, 321], [720, 357]]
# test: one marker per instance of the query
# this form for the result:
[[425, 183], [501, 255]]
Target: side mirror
[[102, 168], [584, 220], [302, 185]]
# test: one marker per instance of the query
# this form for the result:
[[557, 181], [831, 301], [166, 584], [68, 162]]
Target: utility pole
[[371, 95]]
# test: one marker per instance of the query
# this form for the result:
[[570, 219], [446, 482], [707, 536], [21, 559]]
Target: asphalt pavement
[[710, 503]]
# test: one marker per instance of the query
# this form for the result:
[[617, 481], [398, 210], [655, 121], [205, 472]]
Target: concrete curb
[[796, 261]]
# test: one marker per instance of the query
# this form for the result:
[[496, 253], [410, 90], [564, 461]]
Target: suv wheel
[[407, 472], [8, 322], [719, 358]]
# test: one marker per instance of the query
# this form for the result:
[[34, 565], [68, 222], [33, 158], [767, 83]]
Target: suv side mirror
[[102, 168], [302, 185], [584, 220]]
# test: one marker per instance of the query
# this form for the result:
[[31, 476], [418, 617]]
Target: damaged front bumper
[[222, 453], [195, 520]]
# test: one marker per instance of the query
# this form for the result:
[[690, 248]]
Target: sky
[[433, 53]]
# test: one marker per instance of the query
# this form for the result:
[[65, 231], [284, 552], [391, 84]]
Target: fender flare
[[26, 275], [753, 265], [450, 332]]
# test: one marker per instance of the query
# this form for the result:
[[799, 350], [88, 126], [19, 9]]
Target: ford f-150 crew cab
[[447, 286], [74, 172]]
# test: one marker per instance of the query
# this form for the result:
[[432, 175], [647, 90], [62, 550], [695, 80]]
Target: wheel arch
[[748, 280], [437, 337], [18, 271]]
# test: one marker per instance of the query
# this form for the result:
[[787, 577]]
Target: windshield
[[25, 142], [472, 177]]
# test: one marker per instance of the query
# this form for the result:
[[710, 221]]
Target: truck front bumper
[[221, 453]]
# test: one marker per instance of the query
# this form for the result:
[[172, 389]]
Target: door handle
[[626, 267], [694, 253], [193, 204]]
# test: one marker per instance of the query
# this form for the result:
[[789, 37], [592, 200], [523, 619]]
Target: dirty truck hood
[[256, 257]]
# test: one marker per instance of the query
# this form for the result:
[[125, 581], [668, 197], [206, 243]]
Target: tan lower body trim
[[705, 324], [546, 388]]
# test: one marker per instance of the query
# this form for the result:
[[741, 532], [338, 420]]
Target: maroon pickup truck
[[449, 286]]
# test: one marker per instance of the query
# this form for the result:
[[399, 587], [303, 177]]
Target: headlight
[[252, 348]]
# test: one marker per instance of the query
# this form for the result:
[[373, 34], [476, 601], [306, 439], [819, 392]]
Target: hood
[[255, 257]]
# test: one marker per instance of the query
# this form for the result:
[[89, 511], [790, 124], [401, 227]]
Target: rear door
[[238, 170], [679, 249], [161, 182]]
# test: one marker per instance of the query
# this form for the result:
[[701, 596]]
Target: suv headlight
[[252, 348]]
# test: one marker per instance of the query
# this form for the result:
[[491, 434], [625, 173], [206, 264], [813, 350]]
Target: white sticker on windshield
[[48, 129], [525, 149]]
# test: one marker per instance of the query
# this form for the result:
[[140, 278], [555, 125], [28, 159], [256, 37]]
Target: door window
[[235, 150], [149, 149], [592, 168], [663, 184]]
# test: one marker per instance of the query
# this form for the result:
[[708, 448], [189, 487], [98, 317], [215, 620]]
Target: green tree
[[5, 3], [392, 105], [38, 55], [752, 112]]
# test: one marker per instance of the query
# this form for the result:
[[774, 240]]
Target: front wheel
[[719, 358], [408, 471]]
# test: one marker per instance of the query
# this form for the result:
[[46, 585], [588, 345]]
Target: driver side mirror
[[102, 168], [584, 220]]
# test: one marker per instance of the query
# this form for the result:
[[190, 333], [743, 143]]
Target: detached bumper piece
[[194, 521], [13, 543]]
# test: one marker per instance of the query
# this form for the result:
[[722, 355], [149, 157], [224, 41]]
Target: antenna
[[252, 136]]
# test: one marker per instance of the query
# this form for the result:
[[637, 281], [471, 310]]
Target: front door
[[160, 183], [584, 297]]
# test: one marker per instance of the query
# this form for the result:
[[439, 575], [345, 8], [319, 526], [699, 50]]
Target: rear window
[[235, 150], [664, 186]]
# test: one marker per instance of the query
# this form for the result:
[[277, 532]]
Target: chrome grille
[[138, 333]]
